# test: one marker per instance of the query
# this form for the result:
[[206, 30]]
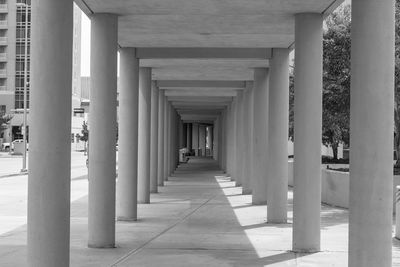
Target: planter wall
[[335, 186]]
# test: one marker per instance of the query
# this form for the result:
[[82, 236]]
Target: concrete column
[[223, 141], [50, 134], [397, 211], [278, 137], [170, 139], [261, 93], [231, 145], [308, 131], [231, 154], [103, 127], [189, 136], [215, 138], [371, 136], [128, 135], [144, 135], [160, 160], [211, 140], [195, 138], [202, 140], [173, 133], [184, 132], [180, 134], [239, 140], [178, 128], [166, 139], [154, 138], [247, 138]]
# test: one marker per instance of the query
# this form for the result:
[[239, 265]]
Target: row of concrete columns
[[371, 136], [146, 134], [255, 159], [196, 136]]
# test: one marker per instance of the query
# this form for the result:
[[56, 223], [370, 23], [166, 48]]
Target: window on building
[[21, 33], [3, 109], [72, 137], [20, 49], [20, 65], [23, 2], [19, 98]]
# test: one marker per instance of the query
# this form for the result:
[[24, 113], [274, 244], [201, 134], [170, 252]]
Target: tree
[[336, 79], [85, 135], [4, 121], [397, 85]]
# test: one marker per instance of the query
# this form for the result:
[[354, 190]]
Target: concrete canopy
[[211, 41]]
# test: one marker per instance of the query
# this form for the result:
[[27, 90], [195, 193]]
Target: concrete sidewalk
[[198, 219]]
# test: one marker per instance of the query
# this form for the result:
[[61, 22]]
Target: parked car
[[5, 146], [18, 141]]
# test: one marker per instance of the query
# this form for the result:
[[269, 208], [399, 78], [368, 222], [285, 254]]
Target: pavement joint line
[[13, 175], [135, 251]]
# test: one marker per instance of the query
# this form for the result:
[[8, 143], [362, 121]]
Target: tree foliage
[[85, 134], [336, 79], [397, 84], [5, 119]]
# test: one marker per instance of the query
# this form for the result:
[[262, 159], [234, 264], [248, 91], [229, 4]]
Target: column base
[[259, 203], [100, 246], [277, 222], [154, 191], [306, 251], [246, 191], [143, 202], [126, 219]]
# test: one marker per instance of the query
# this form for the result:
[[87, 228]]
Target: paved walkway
[[198, 219]]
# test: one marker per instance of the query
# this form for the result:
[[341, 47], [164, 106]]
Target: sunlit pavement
[[198, 219], [13, 189]]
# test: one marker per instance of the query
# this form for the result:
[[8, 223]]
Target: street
[[14, 189]]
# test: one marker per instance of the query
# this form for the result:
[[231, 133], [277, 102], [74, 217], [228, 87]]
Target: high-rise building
[[15, 17]]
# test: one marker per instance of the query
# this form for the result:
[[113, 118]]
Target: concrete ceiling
[[203, 51]]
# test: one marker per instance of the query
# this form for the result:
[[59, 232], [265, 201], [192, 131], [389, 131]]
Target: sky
[[85, 46], [85, 42]]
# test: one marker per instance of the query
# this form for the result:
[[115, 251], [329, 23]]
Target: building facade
[[15, 39]]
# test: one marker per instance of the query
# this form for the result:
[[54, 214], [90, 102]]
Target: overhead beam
[[198, 117], [176, 84], [199, 108], [205, 53], [209, 122], [197, 111], [200, 99], [200, 93]]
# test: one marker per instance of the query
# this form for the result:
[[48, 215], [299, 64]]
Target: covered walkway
[[212, 78], [200, 218]]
